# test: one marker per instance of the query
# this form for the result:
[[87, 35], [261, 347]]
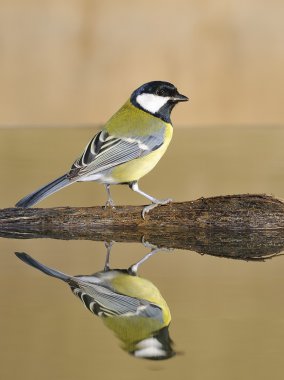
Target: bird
[[127, 148], [129, 305]]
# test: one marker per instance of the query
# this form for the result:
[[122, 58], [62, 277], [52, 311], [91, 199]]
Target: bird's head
[[157, 98], [155, 347]]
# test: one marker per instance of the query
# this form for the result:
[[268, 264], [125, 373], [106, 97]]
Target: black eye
[[161, 92]]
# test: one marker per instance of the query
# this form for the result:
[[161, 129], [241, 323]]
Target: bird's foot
[[148, 208], [109, 244], [153, 247], [109, 203], [147, 244]]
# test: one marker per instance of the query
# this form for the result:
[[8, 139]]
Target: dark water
[[227, 315]]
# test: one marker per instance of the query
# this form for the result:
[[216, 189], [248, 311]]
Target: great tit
[[129, 305], [128, 147]]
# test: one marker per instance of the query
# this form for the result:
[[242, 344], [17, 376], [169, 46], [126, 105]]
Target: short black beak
[[180, 98]]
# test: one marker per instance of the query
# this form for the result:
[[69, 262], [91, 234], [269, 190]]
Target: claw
[[148, 208]]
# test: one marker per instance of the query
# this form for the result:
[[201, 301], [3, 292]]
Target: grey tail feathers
[[44, 191], [32, 262]]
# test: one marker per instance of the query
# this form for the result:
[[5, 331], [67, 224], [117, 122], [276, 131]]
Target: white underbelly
[[94, 177], [99, 177]]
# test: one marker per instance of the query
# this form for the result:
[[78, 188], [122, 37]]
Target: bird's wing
[[105, 151], [103, 301]]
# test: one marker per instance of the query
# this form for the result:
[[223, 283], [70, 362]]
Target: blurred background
[[73, 63], [70, 62]]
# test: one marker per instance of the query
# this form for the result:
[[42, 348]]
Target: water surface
[[227, 315]]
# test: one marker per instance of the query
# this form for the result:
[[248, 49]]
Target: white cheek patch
[[152, 103], [149, 348]]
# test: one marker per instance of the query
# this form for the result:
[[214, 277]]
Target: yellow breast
[[135, 169], [130, 121], [138, 287]]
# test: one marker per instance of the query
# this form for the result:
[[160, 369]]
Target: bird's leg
[[154, 249], [134, 268], [108, 246], [109, 202], [155, 202]]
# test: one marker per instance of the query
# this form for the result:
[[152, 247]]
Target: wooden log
[[234, 212], [237, 226], [250, 246]]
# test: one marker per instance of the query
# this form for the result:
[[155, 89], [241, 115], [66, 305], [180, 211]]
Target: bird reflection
[[129, 305]]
